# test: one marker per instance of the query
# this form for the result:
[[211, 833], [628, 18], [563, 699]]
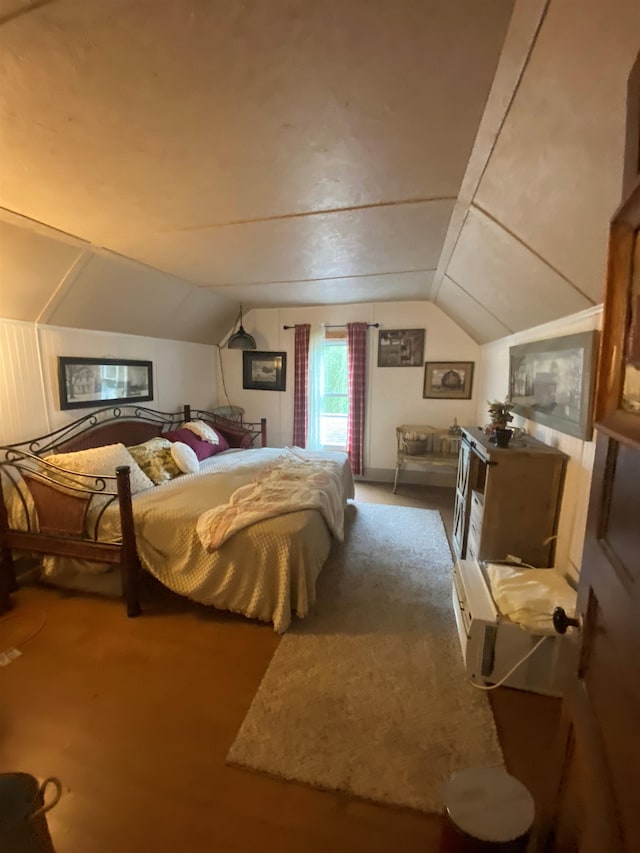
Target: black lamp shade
[[241, 340]]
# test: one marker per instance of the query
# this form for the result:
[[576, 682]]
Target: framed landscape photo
[[85, 382], [448, 380], [552, 382], [401, 348], [264, 371]]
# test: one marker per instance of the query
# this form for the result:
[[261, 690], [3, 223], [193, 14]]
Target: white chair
[[425, 446]]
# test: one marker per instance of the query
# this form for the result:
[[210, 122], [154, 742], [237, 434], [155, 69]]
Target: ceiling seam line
[[321, 278], [499, 130], [64, 285], [455, 246], [305, 214], [532, 251], [516, 89], [484, 307], [14, 213]]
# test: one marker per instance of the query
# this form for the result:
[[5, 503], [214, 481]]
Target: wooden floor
[[136, 717]]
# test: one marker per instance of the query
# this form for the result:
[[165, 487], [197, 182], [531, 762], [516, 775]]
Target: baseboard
[[412, 477]]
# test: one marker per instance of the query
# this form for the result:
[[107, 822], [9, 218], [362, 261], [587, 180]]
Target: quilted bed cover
[[265, 571]]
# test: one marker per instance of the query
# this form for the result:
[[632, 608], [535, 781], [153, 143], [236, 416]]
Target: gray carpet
[[368, 695]]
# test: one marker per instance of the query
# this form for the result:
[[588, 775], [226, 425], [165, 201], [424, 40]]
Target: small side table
[[486, 811]]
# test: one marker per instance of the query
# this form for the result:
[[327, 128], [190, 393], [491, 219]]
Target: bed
[[95, 530]]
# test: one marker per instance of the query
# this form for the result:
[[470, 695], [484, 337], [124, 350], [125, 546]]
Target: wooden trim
[[610, 372], [621, 426], [623, 233], [65, 546], [577, 721], [632, 138], [628, 211]]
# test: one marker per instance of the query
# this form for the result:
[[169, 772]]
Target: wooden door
[[595, 802]]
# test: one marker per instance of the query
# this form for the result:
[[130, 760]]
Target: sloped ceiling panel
[[414, 286], [32, 266], [469, 314], [210, 112], [555, 174], [380, 240], [516, 286], [162, 130], [205, 317], [114, 294]]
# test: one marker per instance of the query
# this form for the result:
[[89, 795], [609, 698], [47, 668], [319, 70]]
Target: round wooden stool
[[486, 809]]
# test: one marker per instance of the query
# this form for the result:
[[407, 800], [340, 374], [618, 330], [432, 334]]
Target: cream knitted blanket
[[291, 484]]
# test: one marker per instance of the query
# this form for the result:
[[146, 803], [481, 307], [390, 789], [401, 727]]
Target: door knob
[[561, 621]]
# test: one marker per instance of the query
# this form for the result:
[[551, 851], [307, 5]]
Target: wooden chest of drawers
[[507, 499]]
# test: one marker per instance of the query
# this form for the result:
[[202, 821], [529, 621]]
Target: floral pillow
[[156, 460]]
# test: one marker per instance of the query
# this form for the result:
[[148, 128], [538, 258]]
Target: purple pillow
[[202, 449], [222, 444]]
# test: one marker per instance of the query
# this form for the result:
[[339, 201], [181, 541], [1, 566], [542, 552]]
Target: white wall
[[492, 384], [394, 393], [182, 373], [186, 372]]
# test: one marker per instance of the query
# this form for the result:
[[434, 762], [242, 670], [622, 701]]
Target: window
[[334, 394], [328, 391]]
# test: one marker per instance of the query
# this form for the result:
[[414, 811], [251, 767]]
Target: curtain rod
[[338, 326]]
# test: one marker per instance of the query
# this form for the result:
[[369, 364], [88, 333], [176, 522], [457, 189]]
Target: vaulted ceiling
[[164, 160]]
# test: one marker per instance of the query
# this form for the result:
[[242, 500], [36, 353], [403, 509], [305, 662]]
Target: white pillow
[[185, 457], [97, 461], [203, 431]]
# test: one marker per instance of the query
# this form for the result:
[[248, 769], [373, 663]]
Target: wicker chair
[[425, 446]]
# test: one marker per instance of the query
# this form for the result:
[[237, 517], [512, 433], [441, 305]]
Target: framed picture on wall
[[401, 347], [448, 380], [85, 382], [552, 382], [264, 371]]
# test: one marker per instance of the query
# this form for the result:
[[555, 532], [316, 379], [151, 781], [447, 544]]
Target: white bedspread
[[264, 571], [290, 484]]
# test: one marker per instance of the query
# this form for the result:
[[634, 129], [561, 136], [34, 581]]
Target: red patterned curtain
[[301, 369], [357, 361]]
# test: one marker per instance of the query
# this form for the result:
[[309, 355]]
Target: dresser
[[507, 499]]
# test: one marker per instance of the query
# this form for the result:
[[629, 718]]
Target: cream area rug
[[368, 694]]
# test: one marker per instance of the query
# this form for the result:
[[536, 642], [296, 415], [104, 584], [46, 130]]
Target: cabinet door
[[463, 493], [521, 503]]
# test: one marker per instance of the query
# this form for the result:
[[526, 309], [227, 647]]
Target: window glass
[[334, 410]]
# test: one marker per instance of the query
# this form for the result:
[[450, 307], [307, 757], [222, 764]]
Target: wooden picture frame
[[552, 382], [86, 382], [401, 347], [264, 371], [448, 380]]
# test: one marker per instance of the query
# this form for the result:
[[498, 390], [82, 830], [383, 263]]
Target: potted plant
[[500, 414]]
